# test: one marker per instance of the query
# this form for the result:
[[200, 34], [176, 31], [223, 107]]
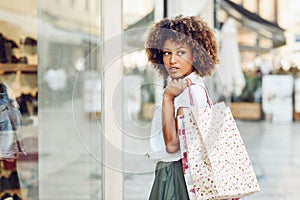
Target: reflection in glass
[[18, 70], [69, 112], [10, 146]]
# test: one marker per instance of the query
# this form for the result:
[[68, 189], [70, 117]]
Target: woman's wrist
[[168, 96]]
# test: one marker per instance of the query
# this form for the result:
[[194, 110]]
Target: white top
[[157, 148]]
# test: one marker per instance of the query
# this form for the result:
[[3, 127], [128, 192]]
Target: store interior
[[18, 71]]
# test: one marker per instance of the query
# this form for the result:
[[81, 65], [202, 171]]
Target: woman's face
[[177, 59]]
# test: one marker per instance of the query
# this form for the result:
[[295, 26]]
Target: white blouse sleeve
[[157, 149]]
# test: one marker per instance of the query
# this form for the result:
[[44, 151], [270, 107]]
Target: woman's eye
[[166, 53], [180, 53]]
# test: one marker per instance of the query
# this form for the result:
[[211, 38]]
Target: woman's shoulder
[[200, 95], [195, 94]]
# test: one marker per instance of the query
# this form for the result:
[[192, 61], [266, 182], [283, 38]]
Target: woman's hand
[[175, 87]]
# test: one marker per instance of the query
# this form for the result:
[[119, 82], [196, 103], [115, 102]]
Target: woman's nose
[[173, 58]]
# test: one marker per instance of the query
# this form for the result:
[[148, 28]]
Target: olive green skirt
[[169, 183]]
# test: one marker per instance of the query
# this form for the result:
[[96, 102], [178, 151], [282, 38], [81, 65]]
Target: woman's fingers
[[188, 82], [182, 83], [176, 86]]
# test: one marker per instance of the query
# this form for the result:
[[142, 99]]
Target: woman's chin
[[176, 76]]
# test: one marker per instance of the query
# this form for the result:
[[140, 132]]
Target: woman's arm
[[173, 89], [169, 125]]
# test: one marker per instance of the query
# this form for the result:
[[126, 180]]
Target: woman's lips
[[173, 69]]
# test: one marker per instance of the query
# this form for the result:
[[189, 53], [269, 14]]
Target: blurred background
[[78, 70]]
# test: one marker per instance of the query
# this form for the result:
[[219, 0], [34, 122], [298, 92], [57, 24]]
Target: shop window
[[69, 127]]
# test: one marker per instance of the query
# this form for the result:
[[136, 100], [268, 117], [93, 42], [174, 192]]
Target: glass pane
[[18, 100], [70, 103], [140, 83]]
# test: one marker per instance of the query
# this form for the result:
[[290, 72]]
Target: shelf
[[246, 110], [13, 67]]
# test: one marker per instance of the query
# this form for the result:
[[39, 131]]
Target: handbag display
[[215, 161]]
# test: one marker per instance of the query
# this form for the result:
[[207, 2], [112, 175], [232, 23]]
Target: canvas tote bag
[[215, 161]]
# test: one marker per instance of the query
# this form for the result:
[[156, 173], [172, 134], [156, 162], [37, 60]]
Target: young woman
[[183, 50]]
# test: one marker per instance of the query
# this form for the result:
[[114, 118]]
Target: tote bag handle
[[206, 94]]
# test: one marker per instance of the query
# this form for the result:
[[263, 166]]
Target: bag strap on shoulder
[[206, 94]]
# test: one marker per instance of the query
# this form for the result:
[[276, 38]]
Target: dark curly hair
[[190, 30]]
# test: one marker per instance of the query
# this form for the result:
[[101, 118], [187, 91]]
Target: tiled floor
[[274, 150]]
